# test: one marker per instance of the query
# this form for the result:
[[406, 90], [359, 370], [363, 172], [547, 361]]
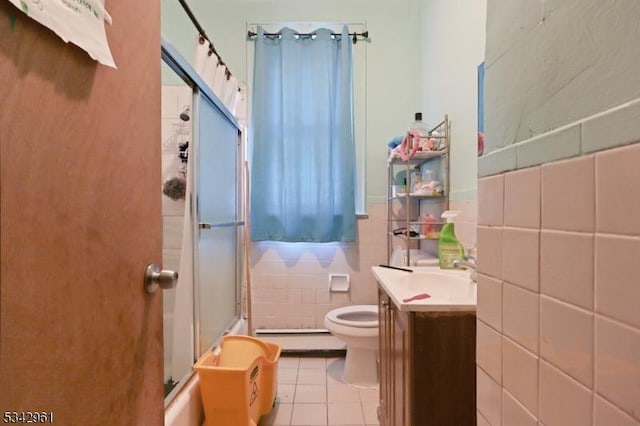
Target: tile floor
[[310, 392]]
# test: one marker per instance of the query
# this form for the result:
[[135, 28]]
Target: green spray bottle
[[449, 248]]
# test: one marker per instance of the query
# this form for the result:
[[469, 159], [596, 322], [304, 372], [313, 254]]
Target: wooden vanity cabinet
[[427, 367]]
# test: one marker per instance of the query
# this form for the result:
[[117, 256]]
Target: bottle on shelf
[[449, 248], [418, 126]]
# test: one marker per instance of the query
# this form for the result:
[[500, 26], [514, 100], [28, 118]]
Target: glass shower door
[[218, 220]]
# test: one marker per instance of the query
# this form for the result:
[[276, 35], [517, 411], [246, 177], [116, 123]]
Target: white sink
[[448, 290]]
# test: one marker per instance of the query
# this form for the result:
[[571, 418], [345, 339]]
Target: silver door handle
[[154, 277]]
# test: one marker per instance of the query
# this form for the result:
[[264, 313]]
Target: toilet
[[357, 326]]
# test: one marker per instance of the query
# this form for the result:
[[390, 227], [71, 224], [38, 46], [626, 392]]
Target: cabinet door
[[386, 384], [401, 365]]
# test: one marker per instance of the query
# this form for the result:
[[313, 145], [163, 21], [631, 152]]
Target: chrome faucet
[[468, 263]]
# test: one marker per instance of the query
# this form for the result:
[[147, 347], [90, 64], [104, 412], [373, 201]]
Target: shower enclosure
[[202, 225]]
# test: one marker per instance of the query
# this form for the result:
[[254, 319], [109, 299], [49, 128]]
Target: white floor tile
[[286, 393], [287, 376], [313, 376], [369, 395], [309, 414], [345, 413], [342, 392], [279, 416], [311, 394], [288, 362], [319, 363], [370, 411]]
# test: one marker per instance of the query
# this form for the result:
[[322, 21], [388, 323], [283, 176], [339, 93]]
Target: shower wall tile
[[617, 190], [617, 283], [566, 339], [566, 270], [172, 232], [568, 201], [563, 401], [170, 97], [172, 207], [170, 165], [616, 356], [171, 259]]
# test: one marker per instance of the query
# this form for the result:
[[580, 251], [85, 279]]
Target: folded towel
[[395, 142]]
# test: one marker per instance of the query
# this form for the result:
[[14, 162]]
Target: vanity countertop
[[447, 290]]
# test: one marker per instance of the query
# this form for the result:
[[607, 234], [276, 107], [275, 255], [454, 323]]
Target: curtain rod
[[364, 35], [203, 37]]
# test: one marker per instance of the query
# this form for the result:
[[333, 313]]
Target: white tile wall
[[513, 413], [291, 281], [173, 100], [489, 398], [566, 338], [520, 374], [617, 360], [563, 401], [489, 299], [570, 324], [489, 351], [520, 315], [581, 124]]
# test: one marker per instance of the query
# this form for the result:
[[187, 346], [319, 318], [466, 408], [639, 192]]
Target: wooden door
[[80, 220]]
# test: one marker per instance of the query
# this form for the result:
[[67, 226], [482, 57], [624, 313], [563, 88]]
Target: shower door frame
[[174, 60]]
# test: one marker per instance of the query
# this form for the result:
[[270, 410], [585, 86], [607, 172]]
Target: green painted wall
[[400, 62], [392, 64]]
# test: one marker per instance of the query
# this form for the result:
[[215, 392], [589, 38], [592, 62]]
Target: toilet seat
[[359, 316]]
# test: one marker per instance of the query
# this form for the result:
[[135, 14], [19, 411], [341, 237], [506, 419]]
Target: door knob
[[154, 277]]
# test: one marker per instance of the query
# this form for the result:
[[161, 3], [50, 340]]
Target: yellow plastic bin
[[238, 383]]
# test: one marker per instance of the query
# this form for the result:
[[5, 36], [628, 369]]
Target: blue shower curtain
[[302, 139]]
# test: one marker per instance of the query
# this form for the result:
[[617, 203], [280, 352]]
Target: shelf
[[412, 206], [419, 237], [416, 222], [420, 157], [404, 196]]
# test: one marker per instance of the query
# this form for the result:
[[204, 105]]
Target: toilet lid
[[363, 316]]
